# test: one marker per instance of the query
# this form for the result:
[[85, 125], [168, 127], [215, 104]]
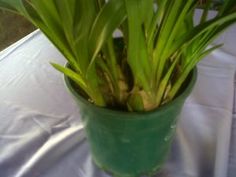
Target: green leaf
[[66, 13], [205, 11], [13, 5], [192, 63], [165, 80], [85, 15], [7, 6], [172, 23], [156, 22], [146, 11], [109, 18], [91, 92], [73, 75], [197, 31], [138, 58], [135, 102]]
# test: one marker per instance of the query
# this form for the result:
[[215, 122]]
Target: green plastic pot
[[130, 144]]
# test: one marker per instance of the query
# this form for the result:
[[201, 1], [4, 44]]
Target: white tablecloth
[[41, 133]]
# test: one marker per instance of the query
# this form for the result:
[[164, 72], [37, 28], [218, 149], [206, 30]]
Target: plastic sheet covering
[[41, 134]]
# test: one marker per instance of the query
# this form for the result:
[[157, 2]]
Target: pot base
[[154, 172]]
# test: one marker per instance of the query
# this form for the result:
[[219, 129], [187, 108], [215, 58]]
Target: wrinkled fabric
[[41, 134]]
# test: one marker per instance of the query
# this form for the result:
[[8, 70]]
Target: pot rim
[[163, 108]]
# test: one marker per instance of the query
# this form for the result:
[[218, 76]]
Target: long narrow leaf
[[105, 24], [176, 27], [200, 29], [73, 75], [13, 5], [187, 70], [137, 48]]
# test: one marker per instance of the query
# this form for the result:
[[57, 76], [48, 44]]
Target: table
[[41, 134]]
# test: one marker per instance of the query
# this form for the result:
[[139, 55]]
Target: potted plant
[[129, 89]]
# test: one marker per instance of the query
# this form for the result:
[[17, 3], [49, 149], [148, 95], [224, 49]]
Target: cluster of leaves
[[161, 44]]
